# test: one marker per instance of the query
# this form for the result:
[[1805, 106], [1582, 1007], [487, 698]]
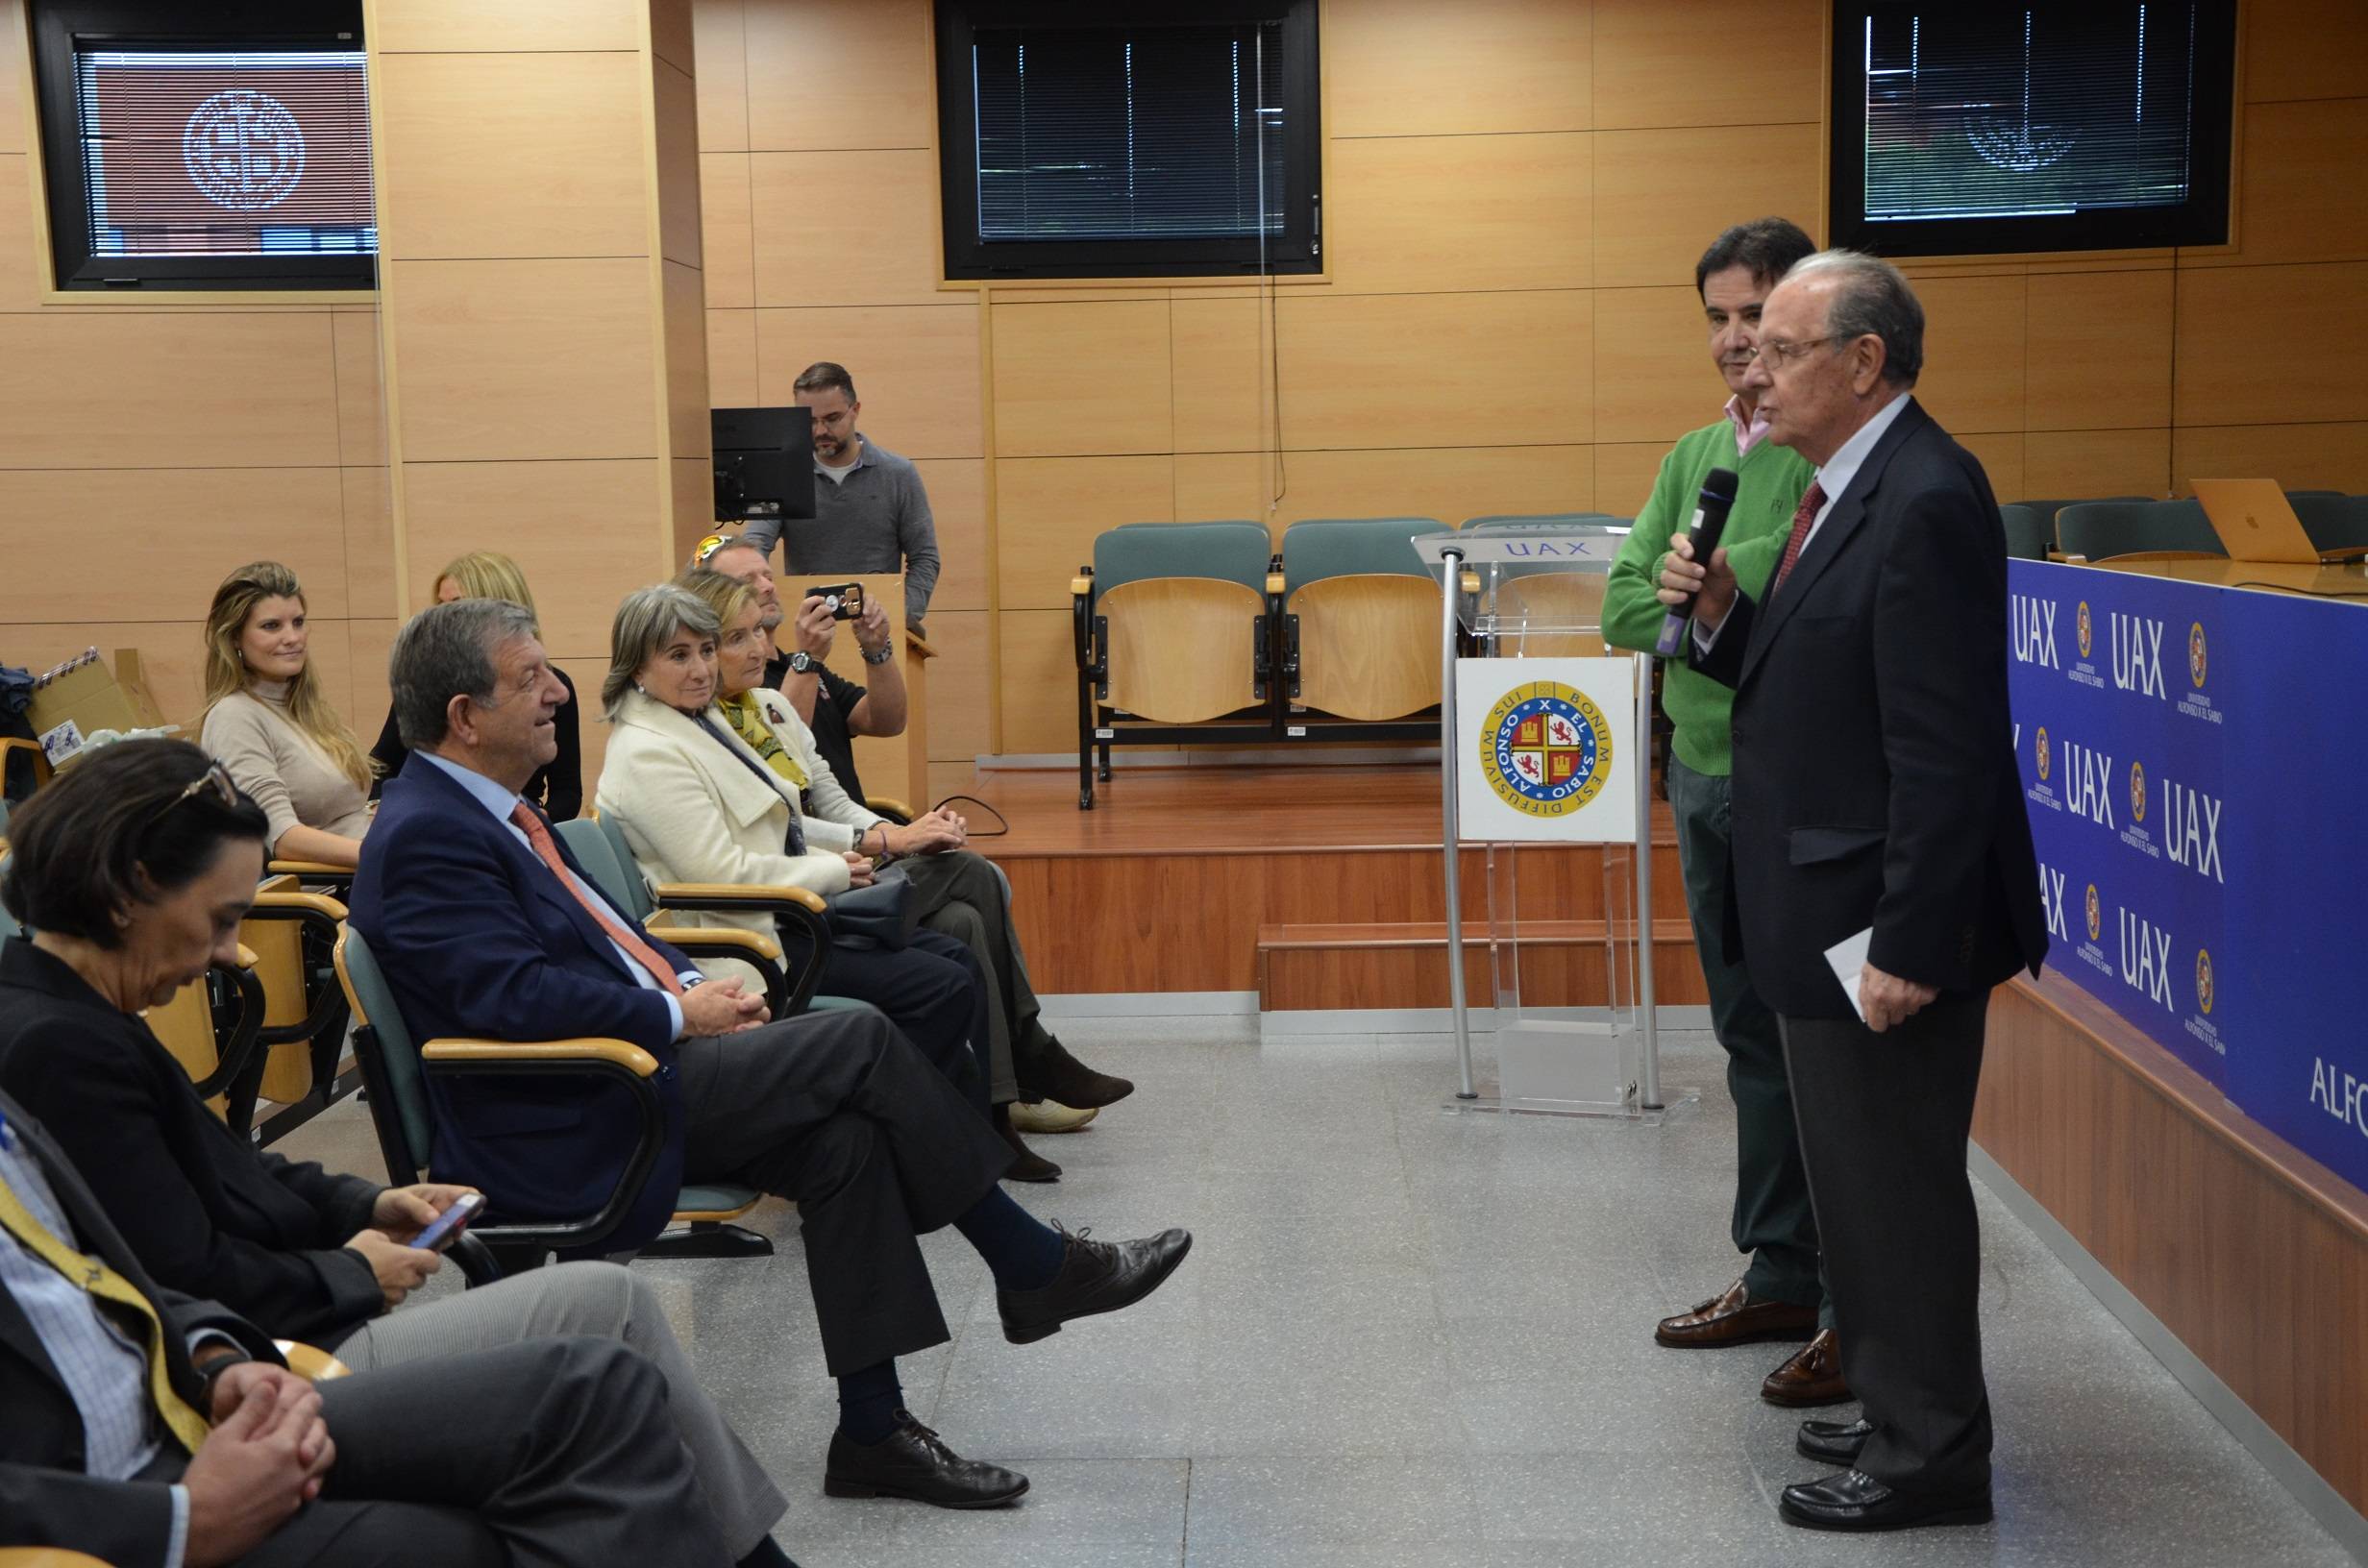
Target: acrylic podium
[[1543, 750]]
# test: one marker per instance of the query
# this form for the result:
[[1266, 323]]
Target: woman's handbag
[[884, 914]]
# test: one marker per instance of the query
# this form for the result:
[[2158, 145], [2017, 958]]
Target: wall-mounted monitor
[[2078, 125]]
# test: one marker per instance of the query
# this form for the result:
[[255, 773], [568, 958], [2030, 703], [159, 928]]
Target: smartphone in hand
[[447, 1226]]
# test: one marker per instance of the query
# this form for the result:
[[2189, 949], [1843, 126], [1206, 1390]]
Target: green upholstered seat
[[1318, 548], [2028, 530], [2099, 530], [2047, 509], [2333, 522], [1137, 551]]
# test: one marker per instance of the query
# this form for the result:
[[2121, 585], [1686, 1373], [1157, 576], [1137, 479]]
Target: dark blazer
[[557, 787], [205, 1212], [1874, 763], [45, 1499], [478, 939]]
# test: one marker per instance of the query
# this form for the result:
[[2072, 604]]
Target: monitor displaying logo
[[2043, 756], [2096, 914], [1546, 750], [2203, 978], [2137, 792], [2197, 661], [243, 150], [2086, 631]]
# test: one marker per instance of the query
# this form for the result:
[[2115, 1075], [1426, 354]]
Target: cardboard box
[[81, 696]]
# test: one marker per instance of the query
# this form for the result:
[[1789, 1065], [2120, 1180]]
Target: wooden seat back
[[1182, 649], [1368, 644]]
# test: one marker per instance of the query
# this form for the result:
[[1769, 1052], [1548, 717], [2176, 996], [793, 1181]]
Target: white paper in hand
[[1849, 957]]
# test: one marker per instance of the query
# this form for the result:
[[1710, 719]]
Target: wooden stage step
[[1169, 882], [1402, 965]]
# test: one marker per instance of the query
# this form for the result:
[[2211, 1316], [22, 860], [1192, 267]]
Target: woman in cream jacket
[[696, 803]]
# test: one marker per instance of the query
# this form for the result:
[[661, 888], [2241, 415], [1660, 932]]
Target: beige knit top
[[290, 776]]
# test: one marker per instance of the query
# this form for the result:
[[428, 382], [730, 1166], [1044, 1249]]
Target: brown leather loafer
[[1812, 1376], [1732, 1318]]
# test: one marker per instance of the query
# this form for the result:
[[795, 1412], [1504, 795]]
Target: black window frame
[[57, 27], [2202, 219], [1298, 251]]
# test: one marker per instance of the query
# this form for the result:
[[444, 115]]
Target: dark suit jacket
[[1874, 763], [478, 939], [45, 1498], [205, 1212], [556, 787]]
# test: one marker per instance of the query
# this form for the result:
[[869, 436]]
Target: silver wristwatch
[[879, 655]]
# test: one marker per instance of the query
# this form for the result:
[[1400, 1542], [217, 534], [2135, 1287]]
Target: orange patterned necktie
[[530, 823], [1803, 520]]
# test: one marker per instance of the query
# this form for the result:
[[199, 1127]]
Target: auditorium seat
[[2338, 525], [1359, 620], [290, 930], [2030, 532], [2105, 530], [1172, 639], [2047, 509]]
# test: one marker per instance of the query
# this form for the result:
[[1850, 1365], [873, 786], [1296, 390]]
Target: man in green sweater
[[1780, 1295]]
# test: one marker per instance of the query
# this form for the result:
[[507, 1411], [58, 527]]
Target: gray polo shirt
[[875, 520]]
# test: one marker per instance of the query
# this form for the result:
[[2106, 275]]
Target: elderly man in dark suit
[[485, 926], [147, 1427], [1875, 788]]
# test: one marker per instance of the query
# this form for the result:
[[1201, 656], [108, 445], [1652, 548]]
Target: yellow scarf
[[748, 722]]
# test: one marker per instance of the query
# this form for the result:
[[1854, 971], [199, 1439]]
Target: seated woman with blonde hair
[[559, 787], [273, 727]]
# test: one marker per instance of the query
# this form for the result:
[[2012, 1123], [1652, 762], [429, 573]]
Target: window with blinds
[[1174, 141], [205, 162], [2062, 126]]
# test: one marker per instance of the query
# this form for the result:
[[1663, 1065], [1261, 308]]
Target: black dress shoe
[[913, 1461], [1857, 1501], [1837, 1442], [1094, 1277], [1051, 1073], [1027, 1165]]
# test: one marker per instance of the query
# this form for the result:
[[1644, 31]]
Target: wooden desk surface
[[2347, 581]]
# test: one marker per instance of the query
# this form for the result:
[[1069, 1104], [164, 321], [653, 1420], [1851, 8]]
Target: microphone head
[[1719, 484]]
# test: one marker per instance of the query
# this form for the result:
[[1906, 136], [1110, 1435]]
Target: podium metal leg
[[1451, 827]]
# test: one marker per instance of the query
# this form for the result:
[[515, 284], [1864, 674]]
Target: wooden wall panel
[[1406, 214], [1973, 353], [719, 40], [23, 270], [1227, 486], [2253, 344], [368, 505], [961, 706], [582, 531], [478, 159], [171, 651], [2304, 49], [731, 359], [840, 74], [1048, 510], [1036, 665], [957, 490], [2062, 464], [673, 34], [844, 227], [1625, 472], [361, 405], [916, 369], [2099, 350], [683, 319], [1446, 483], [727, 236], [1077, 379], [1654, 377], [367, 643], [2000, 454], [1217, 352], [693, 481], [1409, 68], [591, 729], [1372, 370], [512, 27], [1657, 65], [526, 359], [2302, 198], [14, 78], [676, 110], [2322, 456], [95, 390], [1662, 196]]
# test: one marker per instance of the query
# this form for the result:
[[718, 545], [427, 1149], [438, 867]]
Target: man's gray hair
[[1870, 297], [646, 622], [448, 651]]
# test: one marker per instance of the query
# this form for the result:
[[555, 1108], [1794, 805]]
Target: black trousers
[[840, 1112], [544, 1451], [1883, 1123], [933, 990]]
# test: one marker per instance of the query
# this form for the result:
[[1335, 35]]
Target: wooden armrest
[[310, 868], [246, 956], [1275, 582], [730, 895], [884, 803], [311, 1363], [45, 1556], [710, 940], [621, 1053], [1081, 586], [918, 646], [294, 900]]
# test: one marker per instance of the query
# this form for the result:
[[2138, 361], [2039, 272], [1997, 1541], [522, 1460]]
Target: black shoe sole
[[1028, 1336], [833, 1486], [1979, 1514]]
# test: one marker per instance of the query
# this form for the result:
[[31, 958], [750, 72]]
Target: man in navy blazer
[[482, 935]]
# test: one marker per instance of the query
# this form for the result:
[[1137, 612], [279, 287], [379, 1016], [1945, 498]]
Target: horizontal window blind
[[226, 153], [1991, 112], [1130, 132]]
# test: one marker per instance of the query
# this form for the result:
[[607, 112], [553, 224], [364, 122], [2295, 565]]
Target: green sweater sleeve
[[1632, 614]]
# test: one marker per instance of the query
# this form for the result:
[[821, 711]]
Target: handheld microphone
[[1710, 520]]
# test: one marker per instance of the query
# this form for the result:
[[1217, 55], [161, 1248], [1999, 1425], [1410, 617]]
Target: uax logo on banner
[[2137, 654], [2034, 629], [2146, 959], [1545, 748]]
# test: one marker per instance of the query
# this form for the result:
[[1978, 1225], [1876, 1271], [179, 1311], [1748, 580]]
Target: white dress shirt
[[500, 802]]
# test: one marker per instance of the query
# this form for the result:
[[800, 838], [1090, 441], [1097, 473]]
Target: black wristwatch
[[801, 663]]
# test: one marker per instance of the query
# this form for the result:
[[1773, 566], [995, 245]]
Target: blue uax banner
[[2190, 759]]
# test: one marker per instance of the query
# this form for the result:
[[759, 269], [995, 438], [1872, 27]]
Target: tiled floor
[[1411, 1338]]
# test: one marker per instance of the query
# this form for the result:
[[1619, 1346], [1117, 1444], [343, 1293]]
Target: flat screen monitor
[[1985, 129], [764, 463]]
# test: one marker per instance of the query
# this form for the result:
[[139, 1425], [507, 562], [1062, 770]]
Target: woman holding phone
[[134, 868]]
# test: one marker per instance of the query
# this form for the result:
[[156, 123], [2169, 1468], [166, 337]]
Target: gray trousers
[[965, 897], [547, 1454], [601, 1301]]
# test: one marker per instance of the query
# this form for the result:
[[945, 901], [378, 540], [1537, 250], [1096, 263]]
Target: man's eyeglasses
[[1778, 353]]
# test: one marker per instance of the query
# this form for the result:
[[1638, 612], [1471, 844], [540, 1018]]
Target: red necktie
[[1803, 520], [530, 823]]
